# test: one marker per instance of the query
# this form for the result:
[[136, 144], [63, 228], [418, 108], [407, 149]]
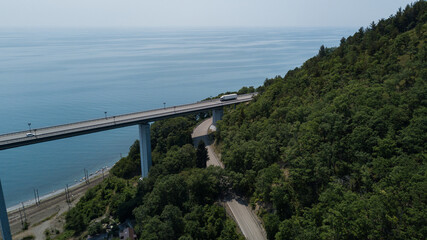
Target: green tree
[[94, 228], [322, 51], [201, 155], [172, 216], [75, 221]]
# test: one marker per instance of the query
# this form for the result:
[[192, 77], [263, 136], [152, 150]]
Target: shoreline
[[54, 194], [50, 212]]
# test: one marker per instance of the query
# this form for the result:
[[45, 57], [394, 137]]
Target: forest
[[178, 200], [335, 149]]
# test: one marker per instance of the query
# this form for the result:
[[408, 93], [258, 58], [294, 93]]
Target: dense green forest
[[336, 149], [177, 200]]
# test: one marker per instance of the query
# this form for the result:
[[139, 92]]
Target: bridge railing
[[112, 121]]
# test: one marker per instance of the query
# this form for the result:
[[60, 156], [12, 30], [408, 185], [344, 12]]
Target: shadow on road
[[208, 139], [231, 195]]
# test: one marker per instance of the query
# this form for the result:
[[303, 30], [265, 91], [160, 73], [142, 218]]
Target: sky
[[195, 13]]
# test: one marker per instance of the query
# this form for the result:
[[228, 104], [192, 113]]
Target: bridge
[[142, 119]]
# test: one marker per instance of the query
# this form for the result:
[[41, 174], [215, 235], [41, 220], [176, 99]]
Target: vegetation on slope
[[334, 150], [337, 148], [176, 201]]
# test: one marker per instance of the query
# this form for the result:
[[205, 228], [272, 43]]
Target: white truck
[[228, 97]]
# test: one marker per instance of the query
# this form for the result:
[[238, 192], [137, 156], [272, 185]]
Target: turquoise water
[[51, 77]]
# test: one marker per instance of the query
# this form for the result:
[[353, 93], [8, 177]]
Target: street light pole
[[29, 126], [164, 105], [105, 115]]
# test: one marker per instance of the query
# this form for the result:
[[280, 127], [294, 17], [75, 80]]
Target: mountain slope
[[337, 148]]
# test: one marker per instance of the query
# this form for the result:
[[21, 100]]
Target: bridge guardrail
[[113, 122]]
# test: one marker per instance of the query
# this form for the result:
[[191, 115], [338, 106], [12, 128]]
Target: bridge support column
[[4, 221], [145, 148], [217, 115]]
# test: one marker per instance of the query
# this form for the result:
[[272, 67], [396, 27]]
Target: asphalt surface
[[16, 139], [246, 220]]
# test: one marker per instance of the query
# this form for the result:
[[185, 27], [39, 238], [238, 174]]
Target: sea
[[58, 76]]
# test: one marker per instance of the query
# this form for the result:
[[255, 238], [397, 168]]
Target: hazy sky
[[194, 13]]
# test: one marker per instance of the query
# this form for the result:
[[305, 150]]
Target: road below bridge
[[238, 208]]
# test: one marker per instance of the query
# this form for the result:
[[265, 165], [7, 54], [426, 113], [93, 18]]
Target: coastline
[[51, 205], [56, 193]]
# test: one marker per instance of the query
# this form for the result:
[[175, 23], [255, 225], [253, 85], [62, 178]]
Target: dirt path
[[245, 218]]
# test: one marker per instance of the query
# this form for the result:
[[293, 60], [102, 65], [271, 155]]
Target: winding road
[[247, 221]]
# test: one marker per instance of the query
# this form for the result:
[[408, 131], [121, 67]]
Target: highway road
[[245, 218], [16, 139]]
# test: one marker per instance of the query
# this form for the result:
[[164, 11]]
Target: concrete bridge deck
[[17, 139]]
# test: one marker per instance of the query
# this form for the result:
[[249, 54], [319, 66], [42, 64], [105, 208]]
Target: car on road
[[228, 97], [30, 134]]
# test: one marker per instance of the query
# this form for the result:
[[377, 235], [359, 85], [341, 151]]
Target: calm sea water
[[51, 77]]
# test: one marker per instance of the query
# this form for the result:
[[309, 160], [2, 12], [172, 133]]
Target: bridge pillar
[[4, 221], [145, 148], [217, 115]]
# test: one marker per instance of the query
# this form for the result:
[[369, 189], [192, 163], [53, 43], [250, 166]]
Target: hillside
[[336, 149], [178, 200]]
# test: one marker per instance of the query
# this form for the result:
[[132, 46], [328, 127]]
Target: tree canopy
[[178, 200], [336, 149]]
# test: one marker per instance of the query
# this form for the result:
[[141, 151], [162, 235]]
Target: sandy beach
[[43, 216]]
